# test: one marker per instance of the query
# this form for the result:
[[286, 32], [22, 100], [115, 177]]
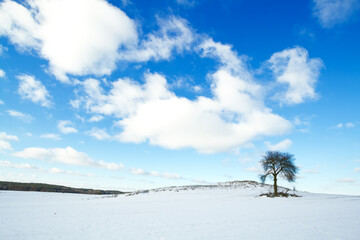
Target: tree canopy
[[278, 164]]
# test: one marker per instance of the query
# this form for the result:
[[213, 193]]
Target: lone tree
[[278, 164]]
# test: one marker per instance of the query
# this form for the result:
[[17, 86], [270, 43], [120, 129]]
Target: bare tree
[[278, 164]]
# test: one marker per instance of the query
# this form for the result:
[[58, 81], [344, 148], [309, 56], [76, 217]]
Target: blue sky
[[141, 94]]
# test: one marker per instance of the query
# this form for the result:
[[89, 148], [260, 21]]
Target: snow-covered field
[[205, 213]]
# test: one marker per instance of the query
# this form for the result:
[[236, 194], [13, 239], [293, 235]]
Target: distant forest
[[41, 187]]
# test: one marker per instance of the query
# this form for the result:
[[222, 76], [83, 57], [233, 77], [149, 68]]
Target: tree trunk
[[275, 186]]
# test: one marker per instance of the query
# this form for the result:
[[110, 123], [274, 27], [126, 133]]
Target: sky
[[142, 94]]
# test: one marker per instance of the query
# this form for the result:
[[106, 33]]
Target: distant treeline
[[41, 187]]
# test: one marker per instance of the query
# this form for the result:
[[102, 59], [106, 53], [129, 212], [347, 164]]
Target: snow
[[223, 212]]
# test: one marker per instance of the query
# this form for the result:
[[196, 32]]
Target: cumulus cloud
[[65, 127], [139, 171], [83, 37], [18, 24], [2, 73], [333, 12], [299, 73], [66, 155], [76, 36], [51, 136], [174, 35], [151, 112], [224, 54], [34, 90], [283, 145], [22, 116], [4, 141]]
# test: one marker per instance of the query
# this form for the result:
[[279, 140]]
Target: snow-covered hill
[[255, 187], [228, 211]]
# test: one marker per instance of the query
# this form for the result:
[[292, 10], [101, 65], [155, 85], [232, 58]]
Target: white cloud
[[350, 125], [2, 49], [151, 112], [91, 39], [303, 125], [357, 169], [4, 136], [65, 127], [283, 145], [174, 35], [225, 55], [139, 171], [187, 3], [4, 141], [23, 116], [333, 12], [197, 89], [126, 2], [34, 90], [56, 170], [1, 102], [82, 119], [345, 125], [16, 165], [66, 155], [298, 72], [66, 172], [99, 134], [96, 118], [86, 41], [18, 24], [346, 180], [170, 175], [300, 122], [52, 170], [51, 136]]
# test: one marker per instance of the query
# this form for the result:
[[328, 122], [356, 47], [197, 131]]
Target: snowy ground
[[217, 213]]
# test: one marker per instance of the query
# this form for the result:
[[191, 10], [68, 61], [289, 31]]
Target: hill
[[244, 185], [41, 187]]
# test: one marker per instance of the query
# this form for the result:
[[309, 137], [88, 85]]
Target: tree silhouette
[[278, 164]]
